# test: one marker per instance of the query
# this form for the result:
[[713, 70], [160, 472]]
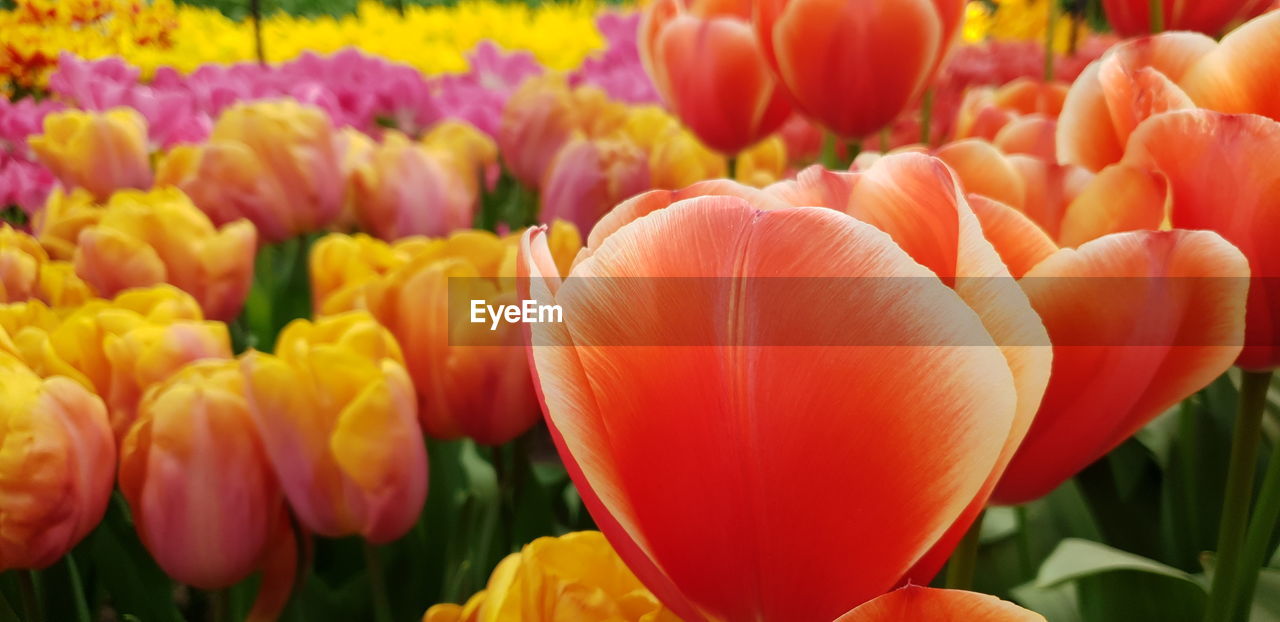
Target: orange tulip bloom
[[277, 163], [336, 413], [193, 449], [56, 465], [984, 111], [1133, 17], [706, 62], [144, 239], [27, 273], [1222, 176], [1240, 75], [854, 65], [922, 604], [754, 411], [1133, 81]]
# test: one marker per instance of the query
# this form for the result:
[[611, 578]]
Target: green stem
[[255, 11], [1266, 516], [31, 610], [1156, 10], [830, 159], [77, 589], [219, 608], [377, 583], [1050, 40], [1239, 490], [1024, 541], [964, 560], [926, 118], [884, 139], [731, 165]]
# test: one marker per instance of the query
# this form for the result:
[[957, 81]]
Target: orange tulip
[[27, 273], [1133, 17], [193, 449], [277, 163], [145, 239], [587, 177], [64, 216], [408, 189], [1222, 176], [472, 381], [922, 604], [542, 115], [56, 465], [706, 62], [335, 410], [99, 151], [754, 397], [1133, 81], [984, 111], [854, 65]]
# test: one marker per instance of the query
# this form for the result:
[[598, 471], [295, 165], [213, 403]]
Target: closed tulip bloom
[[1133, 17], [276, 163], [854, 65], [752, 409], [763, 164], [576, 576], [706, 62], [542, 115], [200, 488], [1236, 76], [922, 604], [472, 380], [405, 188], [984, 111], [99, 151], [336, 413], [56, 465], [20, 260], [588, 177], [145, 239], [472, 153], [676, 157], [1206, 158], [64, 216]]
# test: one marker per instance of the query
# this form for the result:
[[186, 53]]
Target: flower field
[[732, 311]]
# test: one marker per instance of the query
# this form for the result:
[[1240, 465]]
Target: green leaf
[[1116, 586], [1056, 604], [137, 585], [1266, 599]]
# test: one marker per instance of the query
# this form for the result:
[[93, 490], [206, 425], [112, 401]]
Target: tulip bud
[[408, 189], [1131, 18], [194, 471], [588, 177], [56, 459], [336, 412], [276, 163], [99, 151], [157, 237]]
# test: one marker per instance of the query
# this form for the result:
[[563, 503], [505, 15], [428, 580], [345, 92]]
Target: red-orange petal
[[922, 604], [1021, 243], [984, 170], [1031, 134], [1223, 172], [1139, 321]]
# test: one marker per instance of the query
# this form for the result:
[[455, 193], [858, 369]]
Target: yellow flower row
[[153, 34]]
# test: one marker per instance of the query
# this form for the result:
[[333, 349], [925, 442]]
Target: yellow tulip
[[147, 238], [335, 409], [27, 273], [57, 463], [763, 163], [99, 151], [64, 216], [577, 576]]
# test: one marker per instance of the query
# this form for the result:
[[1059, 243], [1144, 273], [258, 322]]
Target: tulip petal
[[1223, 175], [984, 170], [922, 604], [1021, 243], [706, 409], [1241, 74], [1120, 198], [816, 186], [1139, 321], [1031, 134]]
